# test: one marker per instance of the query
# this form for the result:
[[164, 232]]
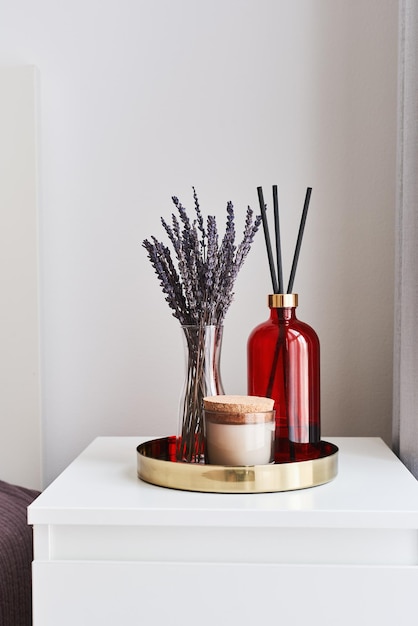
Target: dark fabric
[[15, 556]]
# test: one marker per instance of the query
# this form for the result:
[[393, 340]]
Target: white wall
[[140, 100], [20, 391]]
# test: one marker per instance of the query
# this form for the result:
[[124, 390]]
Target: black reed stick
[[299, 239], [267, 238], [278, 244]]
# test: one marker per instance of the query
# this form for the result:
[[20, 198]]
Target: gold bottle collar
[[282, 300]]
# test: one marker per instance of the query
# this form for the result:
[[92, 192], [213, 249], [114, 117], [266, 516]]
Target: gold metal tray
[[156, 462]]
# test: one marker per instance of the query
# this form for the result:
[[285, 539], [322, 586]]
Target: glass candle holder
[[239, 430]]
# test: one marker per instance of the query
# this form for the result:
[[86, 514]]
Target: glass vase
[[284, 364], [202, 348]]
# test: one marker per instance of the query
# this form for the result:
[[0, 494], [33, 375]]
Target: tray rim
[[207, 478]]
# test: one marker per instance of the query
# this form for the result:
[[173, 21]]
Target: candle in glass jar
[[239, 430]]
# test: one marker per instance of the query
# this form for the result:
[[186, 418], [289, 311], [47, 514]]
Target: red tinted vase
[[284, 364]]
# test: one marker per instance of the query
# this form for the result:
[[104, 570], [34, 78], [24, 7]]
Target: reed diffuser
[[284, 354]]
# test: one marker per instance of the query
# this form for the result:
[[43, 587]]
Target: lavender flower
[[198, 282], [200, 289]]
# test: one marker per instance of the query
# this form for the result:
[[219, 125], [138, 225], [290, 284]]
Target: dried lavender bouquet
[[198, 286]]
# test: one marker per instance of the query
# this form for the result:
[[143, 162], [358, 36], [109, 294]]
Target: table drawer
[[108, 593]]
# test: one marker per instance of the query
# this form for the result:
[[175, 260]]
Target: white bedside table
[[110, 549]]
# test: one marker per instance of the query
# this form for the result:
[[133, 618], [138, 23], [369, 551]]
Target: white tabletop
[[373, 489]]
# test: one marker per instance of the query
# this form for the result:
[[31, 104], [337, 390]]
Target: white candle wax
[[240, 444]]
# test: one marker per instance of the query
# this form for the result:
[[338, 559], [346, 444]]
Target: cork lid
[[238, 404]]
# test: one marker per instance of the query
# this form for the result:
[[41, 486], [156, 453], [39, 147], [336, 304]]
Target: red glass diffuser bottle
[[283, 355], [284, 364]]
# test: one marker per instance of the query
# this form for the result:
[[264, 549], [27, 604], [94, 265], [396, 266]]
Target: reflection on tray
[[164, 449]]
